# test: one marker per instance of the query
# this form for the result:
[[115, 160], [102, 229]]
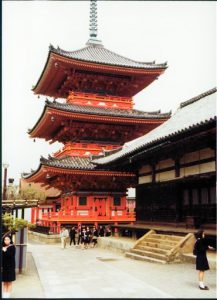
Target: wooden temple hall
[[175, 167], [89, 109]]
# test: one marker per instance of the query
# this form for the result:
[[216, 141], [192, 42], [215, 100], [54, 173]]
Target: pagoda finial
[[93, 24], [93, 18]]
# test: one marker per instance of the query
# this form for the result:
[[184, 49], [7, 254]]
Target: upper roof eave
[[139, 65], [128, 63]]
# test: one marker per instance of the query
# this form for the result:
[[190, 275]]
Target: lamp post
[[5, 166]]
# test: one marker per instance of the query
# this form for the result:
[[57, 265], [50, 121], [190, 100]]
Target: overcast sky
[[181, 33]]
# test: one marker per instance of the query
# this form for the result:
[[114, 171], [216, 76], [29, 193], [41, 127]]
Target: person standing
[[108, 231], [89, 236], [84, 238], [72, 233], [95, 236], [8, 265], [79, 234], [101, 231], [63, 235], [202, 265]]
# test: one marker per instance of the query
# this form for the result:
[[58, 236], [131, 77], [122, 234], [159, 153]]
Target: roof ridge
[[200, 96]]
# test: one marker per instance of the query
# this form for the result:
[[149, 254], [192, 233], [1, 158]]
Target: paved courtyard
[[97, 273]]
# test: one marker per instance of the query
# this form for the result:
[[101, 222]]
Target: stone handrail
[[178, 245], [143, 237]]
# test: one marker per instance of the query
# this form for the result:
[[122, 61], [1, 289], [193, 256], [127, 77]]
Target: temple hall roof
[[97, 53], [192, 113]]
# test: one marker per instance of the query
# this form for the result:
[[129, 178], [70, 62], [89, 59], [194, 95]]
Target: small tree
[[11, 224], [30, 193]]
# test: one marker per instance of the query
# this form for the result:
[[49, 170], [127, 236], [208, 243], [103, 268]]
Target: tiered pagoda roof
[[78, 173], [66, 121], [81, 112], [80, 70]]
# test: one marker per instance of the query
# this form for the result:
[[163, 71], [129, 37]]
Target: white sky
[[181, 33]]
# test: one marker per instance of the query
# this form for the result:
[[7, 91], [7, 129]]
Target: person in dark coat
[[202, 264], [89, 236], [79, 234], [101, 231], [72, 233], [8, 265], [95, 236]]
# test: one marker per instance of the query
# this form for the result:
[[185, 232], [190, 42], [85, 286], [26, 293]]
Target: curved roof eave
[[42, 73], [30, 131]]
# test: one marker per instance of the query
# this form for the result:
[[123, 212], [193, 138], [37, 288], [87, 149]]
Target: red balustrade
[[87, 215]]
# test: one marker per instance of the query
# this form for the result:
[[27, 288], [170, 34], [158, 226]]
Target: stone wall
[[116, 243], [44, 238]]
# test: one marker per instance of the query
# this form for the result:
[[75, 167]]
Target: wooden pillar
[[58, 227], [179, 203], [32, 215], [153, 166], [109, 206], [190, 200], [90, 204], [177, 167], [116, 230], [37, 213], [22, 213]]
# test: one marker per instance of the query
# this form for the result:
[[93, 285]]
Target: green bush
[[12, 224]]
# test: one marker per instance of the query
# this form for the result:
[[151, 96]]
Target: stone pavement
[[99, 273], [28, 284]]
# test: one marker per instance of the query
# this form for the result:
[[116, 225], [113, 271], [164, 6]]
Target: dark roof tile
[[132, 113], [69, 162]]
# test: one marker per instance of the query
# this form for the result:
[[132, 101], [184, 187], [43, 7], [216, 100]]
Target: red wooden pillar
[[75, 206], [37, 213], [32, 215], [58, 227], [91, 206], [109, 206], [116, 230]]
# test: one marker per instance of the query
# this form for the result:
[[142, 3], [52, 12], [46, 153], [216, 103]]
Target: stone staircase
[[158, 248]]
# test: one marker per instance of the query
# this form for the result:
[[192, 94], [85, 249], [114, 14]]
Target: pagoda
[[90, 113]]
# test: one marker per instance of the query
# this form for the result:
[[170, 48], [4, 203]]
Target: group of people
[[86, 236], [83, 235]]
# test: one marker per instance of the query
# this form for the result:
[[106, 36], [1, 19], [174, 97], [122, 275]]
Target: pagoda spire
[[93, 24]]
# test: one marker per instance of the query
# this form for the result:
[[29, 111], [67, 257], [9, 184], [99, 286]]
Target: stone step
[[156, 245], [160, 241], [144, 258], [149, 254], [166, 237], [152, 249]]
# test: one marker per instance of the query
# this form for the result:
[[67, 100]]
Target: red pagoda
[[97, 115]]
